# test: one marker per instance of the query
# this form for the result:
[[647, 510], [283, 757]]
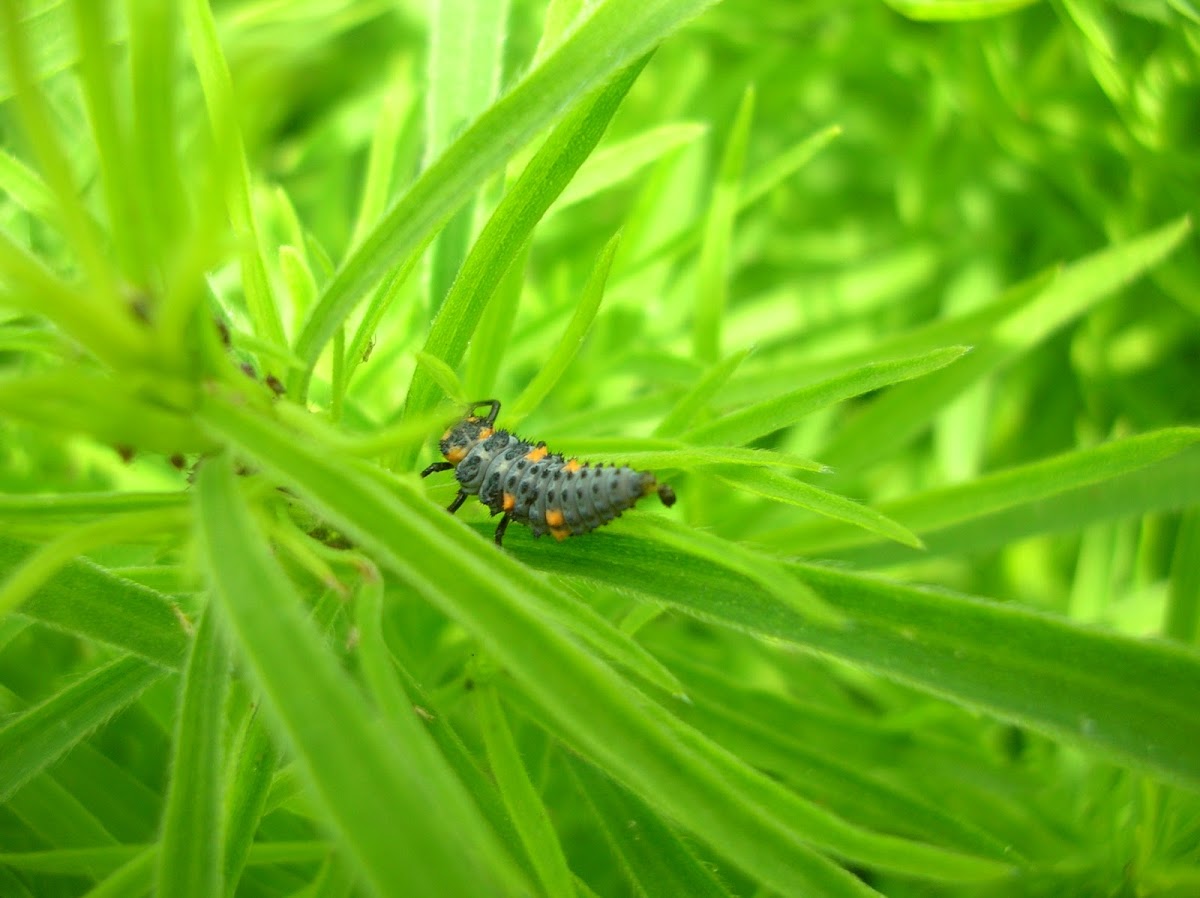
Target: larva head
[[468, 432], [650, 485]]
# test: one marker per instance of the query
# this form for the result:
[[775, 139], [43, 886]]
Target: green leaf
[[619, 161], [804, 495], [747, 424], [1183, 608], [625, 29], [1128, 698], [79, 399], [37, 738], [901, 414], [358, 771], [572, 339], [509, 227], [37, 567], [83, 599], [189, 857], [253, 761], [466, 55], [220, 101], [525, 807], [735, 809], [1171, 483], [653, 855], [714, 267], [943, 513], [956, 10], [691, 404]]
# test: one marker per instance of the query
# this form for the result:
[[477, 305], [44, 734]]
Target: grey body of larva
[[528, 484]]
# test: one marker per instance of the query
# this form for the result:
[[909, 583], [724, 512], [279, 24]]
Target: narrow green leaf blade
[[615, 34], [940, 512], [525, 807], [33, 740], [509, 227], [716, 249], [774, 485], [1129, 698], [555, 366], [735, 809], [374, 799], [189, 857], [83, 599], [747, 424]]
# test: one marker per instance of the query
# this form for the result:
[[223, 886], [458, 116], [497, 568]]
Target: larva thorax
[[529, 484]]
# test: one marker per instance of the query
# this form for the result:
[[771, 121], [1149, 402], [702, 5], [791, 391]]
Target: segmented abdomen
[[547, 492]]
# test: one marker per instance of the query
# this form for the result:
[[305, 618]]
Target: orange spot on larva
[[572, 466], [554, 517], [537, 453], [485, 433], [510, 502], [560, 533], [456, 454]]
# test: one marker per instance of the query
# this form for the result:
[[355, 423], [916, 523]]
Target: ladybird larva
[[528, 484]]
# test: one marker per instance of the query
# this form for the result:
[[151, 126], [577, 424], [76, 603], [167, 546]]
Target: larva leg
[[500, 528], [435, 467], [458, 501]]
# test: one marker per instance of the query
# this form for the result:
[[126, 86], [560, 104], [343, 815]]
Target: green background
[[900, 297]]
